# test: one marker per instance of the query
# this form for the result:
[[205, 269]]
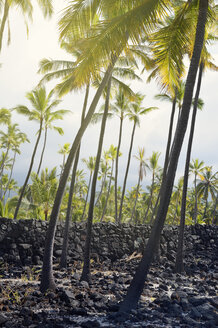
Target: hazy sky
[[18, 75]]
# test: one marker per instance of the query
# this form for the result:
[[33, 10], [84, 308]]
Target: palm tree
[[90, 163], [41, 104], [64, 150], [207, 186], [134, 113], [154, 167], [43, 189], [112, 152], [142, 173], [50, 117], [86, 264], [27, 10], [137, 283]]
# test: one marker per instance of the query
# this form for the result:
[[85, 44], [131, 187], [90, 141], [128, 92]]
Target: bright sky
[[18, 75]]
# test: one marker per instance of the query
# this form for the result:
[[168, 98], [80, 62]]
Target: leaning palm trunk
[[63, 261], [126, 174], [116, 169], [47, 279], [86, 264], [3, 22], [43, 150], [108, 192], [28, 173], [137, 284], [150, 200], [179, 266]]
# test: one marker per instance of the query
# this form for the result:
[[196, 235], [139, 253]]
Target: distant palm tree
[[142, 172], [90, 163], [207, 185], [134, 113], [64, 150], [5, 116], [50, 117], [41, 102]]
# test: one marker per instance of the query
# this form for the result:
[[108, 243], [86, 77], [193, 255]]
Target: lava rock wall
[[22, 241]]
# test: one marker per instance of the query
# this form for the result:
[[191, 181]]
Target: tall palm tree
[[27, 10], [64, 150], [154, 167], [90, 163], [87, 249], [206, 186], [135, 112], [137, 283], [112, 152], [50, 117], [142, 172], [196, 167], [41, 103]]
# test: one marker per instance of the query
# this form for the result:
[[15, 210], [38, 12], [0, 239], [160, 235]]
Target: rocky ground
[[168, 300]]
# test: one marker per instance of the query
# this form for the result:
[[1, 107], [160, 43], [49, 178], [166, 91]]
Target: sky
[[18, 75]]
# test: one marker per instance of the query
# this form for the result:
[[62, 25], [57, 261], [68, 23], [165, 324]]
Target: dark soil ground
[[168, 300]]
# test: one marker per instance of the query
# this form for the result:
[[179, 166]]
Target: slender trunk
[[116, 169], [9, 179], [196, 201], [63, 261], [179, 265], [205, 209], [108, 192], [3, 22], [87, 195], [102, 186], [86, 264], [136, 198], [150, 200], [169, 139], [137, 284], [214, 210], [28, 173], [43, 150], [126, 174], [47, 279]]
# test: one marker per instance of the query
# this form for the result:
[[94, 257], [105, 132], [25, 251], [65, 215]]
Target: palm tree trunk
[[126, 174], [87, 195], [108, 192], [196, 201], [43, 150], [102, 186], [136, 198], [28, 173], [150, 200], [137, 284], [205, 208], [63, 261], [9, 179], [47, 279], [86, 264], [3, 22], [214, 210], [179, 266], [116, 169]]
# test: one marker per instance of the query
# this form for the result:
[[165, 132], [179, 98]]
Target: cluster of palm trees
[[107, 40]]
